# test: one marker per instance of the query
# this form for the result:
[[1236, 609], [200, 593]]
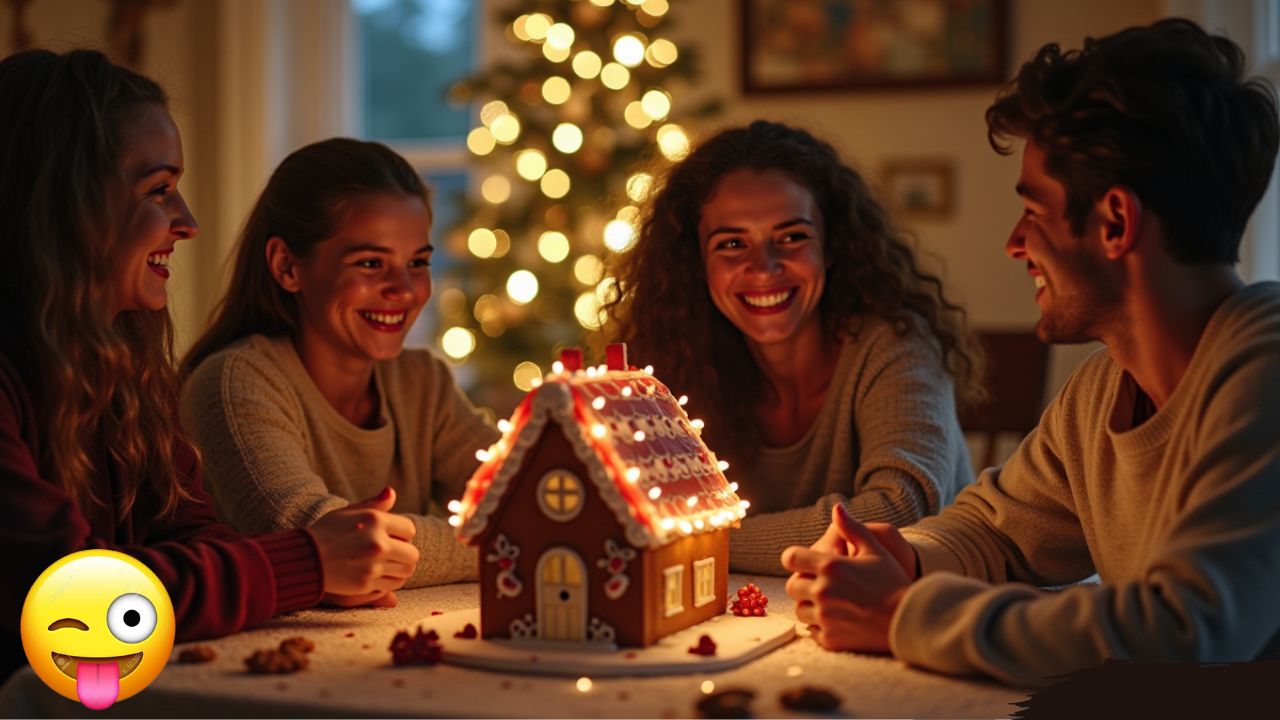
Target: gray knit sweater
[[886, 443], [278, 456]]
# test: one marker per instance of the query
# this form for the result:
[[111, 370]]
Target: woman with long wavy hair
[[91, 455], [770, 286], [300, 392]]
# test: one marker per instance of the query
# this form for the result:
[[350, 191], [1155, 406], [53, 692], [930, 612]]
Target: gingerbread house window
[[673, 590], [704, 581], [560, 495]]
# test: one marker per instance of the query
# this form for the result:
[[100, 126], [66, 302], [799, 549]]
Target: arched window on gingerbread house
[[560, 495]]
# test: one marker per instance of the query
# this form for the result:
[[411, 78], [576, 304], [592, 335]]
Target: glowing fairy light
[[555, 183], [661, 53], [619, 235], [480, 141], [682, 400], [597, 431], [590, 315], [629, 214], [525, 375], [699, 524], [638, 186], [557, 367], [496, 189], [628, 50], [482, 242], [455, 520], [598, 403], [668, 523], [483, 455], [655, 493], [518, 29], [522, 287], [553, 246], [556, 90], [560, 36], [733, 486], [656, 8], [491, 111], [506, 129], [633, 474], [555, 53], [723, 465], [673, 142], [656, 104], [697, 423], [531, 164], [454, 506], [567, 138], [537, 25], [648, 369], [635, 115], [744, 504], [626, 391], [614, 76], [587, 64], [584, 684], [504, 425], [458, 342], [692, 501], [686, 527], [638, 436]]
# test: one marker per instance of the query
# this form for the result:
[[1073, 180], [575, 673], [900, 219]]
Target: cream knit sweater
[[1180, 517], [278, 456], [886, 443]]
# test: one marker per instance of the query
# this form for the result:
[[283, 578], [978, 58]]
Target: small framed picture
[[919, 188]]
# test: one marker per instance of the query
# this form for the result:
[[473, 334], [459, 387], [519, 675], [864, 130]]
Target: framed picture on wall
[[805, 45], [919, 188]]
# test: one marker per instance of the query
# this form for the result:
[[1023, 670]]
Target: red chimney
[[615, 356], [571, 358]]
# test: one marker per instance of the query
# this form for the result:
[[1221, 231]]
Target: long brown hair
[[663, 308], [97, 379], [303, 203]]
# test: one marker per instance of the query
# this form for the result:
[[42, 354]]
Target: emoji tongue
[[97, 684]]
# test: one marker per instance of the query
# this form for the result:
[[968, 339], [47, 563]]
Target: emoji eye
[[131, 618]]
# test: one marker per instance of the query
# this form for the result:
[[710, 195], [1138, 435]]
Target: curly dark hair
[[664, 311], [1163, 109]]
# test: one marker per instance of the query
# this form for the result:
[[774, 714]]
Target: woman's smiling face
[[762, 244], [360, 290]]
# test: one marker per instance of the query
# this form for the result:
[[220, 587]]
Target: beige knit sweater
[[1179, 516], [277, 455], [886, 443]]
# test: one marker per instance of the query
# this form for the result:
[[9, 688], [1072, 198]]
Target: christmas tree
[[570, 137]]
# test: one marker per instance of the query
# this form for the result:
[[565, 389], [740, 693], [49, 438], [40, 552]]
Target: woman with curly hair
[[770, 286], [91, 455]]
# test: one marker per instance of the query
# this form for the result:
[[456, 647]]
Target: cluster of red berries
[[421, 648], [751, 602]]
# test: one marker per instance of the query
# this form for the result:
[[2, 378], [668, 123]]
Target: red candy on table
[[751, 602], [705, 646]]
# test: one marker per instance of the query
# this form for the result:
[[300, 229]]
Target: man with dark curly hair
[[1158, 464]]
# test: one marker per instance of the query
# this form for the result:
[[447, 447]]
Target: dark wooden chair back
[[1017, 368]]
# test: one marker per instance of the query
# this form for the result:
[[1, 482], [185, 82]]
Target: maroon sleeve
[[219, 581]]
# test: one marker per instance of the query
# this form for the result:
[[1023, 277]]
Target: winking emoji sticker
[[97, 627]]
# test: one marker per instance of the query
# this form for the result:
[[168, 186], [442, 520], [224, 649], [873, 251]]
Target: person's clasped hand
[[848, 584]]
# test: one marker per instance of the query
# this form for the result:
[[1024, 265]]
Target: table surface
[[351, 675]]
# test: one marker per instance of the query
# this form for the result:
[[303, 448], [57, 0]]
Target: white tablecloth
[[351, 674]]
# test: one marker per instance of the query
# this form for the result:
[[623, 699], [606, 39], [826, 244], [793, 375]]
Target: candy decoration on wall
[[505, 555], [615, 563]]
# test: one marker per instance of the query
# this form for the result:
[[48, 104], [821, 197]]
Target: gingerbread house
[[600, 515]]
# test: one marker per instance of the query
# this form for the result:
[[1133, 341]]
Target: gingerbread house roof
[[641, 451]]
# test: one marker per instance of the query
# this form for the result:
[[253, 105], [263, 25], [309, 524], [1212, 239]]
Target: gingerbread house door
[[562, 596]]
